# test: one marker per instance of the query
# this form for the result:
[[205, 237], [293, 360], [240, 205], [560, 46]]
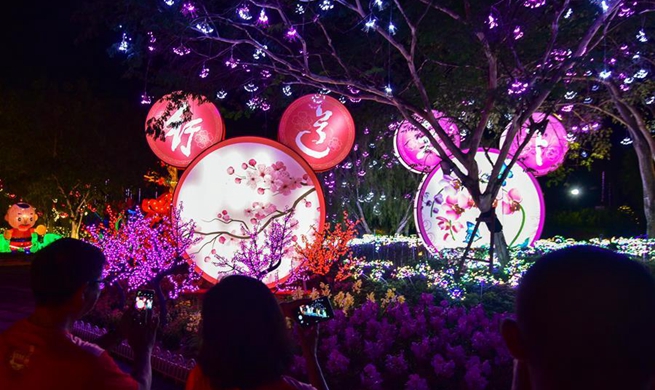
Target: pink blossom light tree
[[141, 254]]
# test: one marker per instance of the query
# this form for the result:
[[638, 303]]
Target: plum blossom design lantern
[[445, 213], [413, 148], [185, 138], [241, 188], [320, 129], [546, 150]]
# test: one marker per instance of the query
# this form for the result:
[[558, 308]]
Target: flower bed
[[407, 324]]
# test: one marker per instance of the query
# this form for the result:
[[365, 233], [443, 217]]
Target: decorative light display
[[546, 150], [22, 217], [185, 137], [414, 149], [320, 129], [445, 213], [140, 252], [241, 187]]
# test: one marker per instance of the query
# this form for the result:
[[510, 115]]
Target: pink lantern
[[413, 148], [320, 129], [245, 184], [546, 151], [184, 140]]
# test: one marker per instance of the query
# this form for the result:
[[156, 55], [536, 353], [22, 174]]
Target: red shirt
[[198, 381], [39, 358]]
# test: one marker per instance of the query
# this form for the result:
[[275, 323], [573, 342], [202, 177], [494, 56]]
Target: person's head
[[244, 337], [66, 275], [585, 318]]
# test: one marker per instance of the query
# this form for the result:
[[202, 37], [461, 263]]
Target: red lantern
[[320, 129], [184, 140]]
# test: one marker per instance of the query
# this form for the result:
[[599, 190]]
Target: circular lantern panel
[[446, 215], [318, 128], [414, 149], [247, 186], [546, 151], [185, 138]]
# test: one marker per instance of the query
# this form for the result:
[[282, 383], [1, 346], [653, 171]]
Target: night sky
[[43, 42]]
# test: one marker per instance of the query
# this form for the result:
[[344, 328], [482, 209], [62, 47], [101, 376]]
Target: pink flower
[[456, 205], [260, 191], [252, 180], [230, 171], [244, 166], [279, 166], [237, 180], [252, 162], [512, 201], [221, 240], [270, 208]]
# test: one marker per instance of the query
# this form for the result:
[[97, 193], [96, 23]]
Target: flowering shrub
[[393, 344]]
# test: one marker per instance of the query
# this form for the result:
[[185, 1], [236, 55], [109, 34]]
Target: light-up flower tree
[[486, 65], [141, 254], [262, 252]]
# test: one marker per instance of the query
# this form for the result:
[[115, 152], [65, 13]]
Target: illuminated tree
[[263, 250], [141, 254], [615, 82], [328, 251], [490, 65]]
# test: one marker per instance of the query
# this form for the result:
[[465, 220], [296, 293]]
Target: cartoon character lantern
[[22, 217]]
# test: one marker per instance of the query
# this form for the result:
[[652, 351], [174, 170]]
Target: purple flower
[[474, 376], [421, 350], [371, 378], [352, 339], [396, 364], [337, 363], [443, 368], [373, 350], [415, 382]]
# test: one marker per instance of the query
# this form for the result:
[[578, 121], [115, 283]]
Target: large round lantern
[[235, 192], [413, 147], [320, 129], [546, 150], [185, 137], [446, 215]]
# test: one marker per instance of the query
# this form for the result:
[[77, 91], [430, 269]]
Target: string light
[[370, 24], [392, 28], [244, 12], [292, 34], [221, 94], [641, 36], [205, 28], [286, 90], [146, 99], [125, 43], [169, 2], [204, 72], [326, 5], [181, 50], [262, 21], [605, 74]]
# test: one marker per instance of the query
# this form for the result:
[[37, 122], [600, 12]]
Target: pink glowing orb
[[546, 151], [185, 139], [320, 129], [445, 213], [242, 185], [413, 148]]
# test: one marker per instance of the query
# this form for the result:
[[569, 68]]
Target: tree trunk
[[75, 228], [161, 300], [647, 170], [362, 218], [495, 228], [403, 222]]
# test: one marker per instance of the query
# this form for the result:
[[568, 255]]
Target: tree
[[498, 62], [66, 152], [613, 82], [370, 184], [141, 253]]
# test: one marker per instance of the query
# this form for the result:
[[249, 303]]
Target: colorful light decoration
[[320, 129], [413, 148], [241, 184], [445, 213], [546, 150], [185, 139]]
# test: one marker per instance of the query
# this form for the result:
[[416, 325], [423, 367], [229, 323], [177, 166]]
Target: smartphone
[[316, 311], [143, 305]]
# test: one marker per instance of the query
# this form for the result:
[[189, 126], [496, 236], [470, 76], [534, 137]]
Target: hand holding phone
[[143, 305], [313, 312]]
